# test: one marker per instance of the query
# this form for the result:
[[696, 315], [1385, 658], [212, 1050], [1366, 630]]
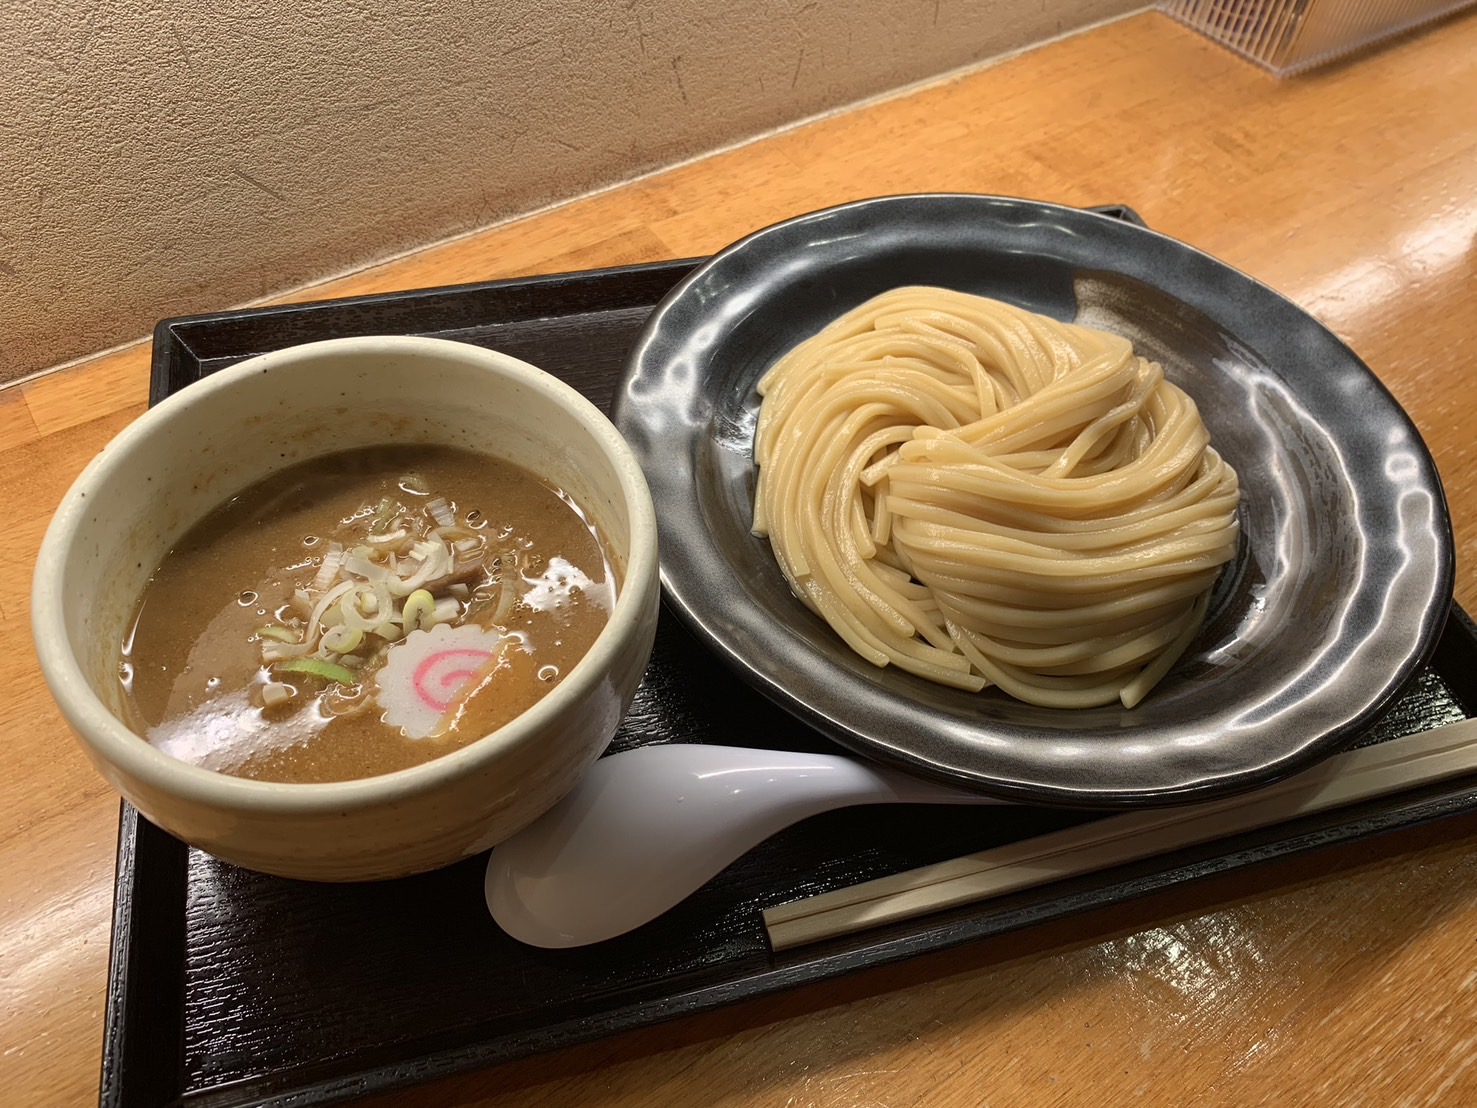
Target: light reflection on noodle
[[981, 495]]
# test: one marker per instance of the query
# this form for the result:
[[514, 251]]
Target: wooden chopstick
[[1389, 767]]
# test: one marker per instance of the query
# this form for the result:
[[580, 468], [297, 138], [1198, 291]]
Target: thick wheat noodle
[[985, 496]]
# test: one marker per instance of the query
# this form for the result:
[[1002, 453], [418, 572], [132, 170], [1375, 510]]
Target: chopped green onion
[[343, 639], [301, 603], [273, 651], [328, 568], [383, 515], [366, 605], [280, 634], [388, 539], [316, 667], [419, 611]]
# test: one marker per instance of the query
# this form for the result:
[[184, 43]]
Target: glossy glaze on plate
[[1336, 598]]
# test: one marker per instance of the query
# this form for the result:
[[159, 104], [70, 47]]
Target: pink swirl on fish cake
[[440, 676]]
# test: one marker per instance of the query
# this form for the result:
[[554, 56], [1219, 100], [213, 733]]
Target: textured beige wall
[[158, 159]]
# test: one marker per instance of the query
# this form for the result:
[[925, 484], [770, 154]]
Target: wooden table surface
[[1347, 976]]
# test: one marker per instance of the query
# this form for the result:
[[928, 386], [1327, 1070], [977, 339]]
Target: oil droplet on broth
[[548, 673]]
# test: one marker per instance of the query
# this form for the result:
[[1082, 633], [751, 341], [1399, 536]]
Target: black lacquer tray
[[232, 988]]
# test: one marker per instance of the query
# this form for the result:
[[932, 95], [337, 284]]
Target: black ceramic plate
[[1337, 597]]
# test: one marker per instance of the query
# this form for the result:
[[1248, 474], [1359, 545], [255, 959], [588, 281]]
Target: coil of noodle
[[985, 496]]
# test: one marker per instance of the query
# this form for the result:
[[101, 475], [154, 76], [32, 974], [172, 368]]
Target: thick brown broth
[[194, 668]]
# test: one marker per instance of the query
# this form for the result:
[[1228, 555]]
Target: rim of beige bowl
[[100, 729]]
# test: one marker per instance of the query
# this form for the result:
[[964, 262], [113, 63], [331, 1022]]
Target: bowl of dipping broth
[[354, 609]]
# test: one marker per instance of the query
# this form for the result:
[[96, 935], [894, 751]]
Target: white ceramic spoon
[[645, 828]]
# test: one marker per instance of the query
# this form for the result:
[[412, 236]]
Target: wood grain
[[1348, 976]]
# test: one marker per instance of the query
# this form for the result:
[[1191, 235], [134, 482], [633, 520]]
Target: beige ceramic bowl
[[185, 456]]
